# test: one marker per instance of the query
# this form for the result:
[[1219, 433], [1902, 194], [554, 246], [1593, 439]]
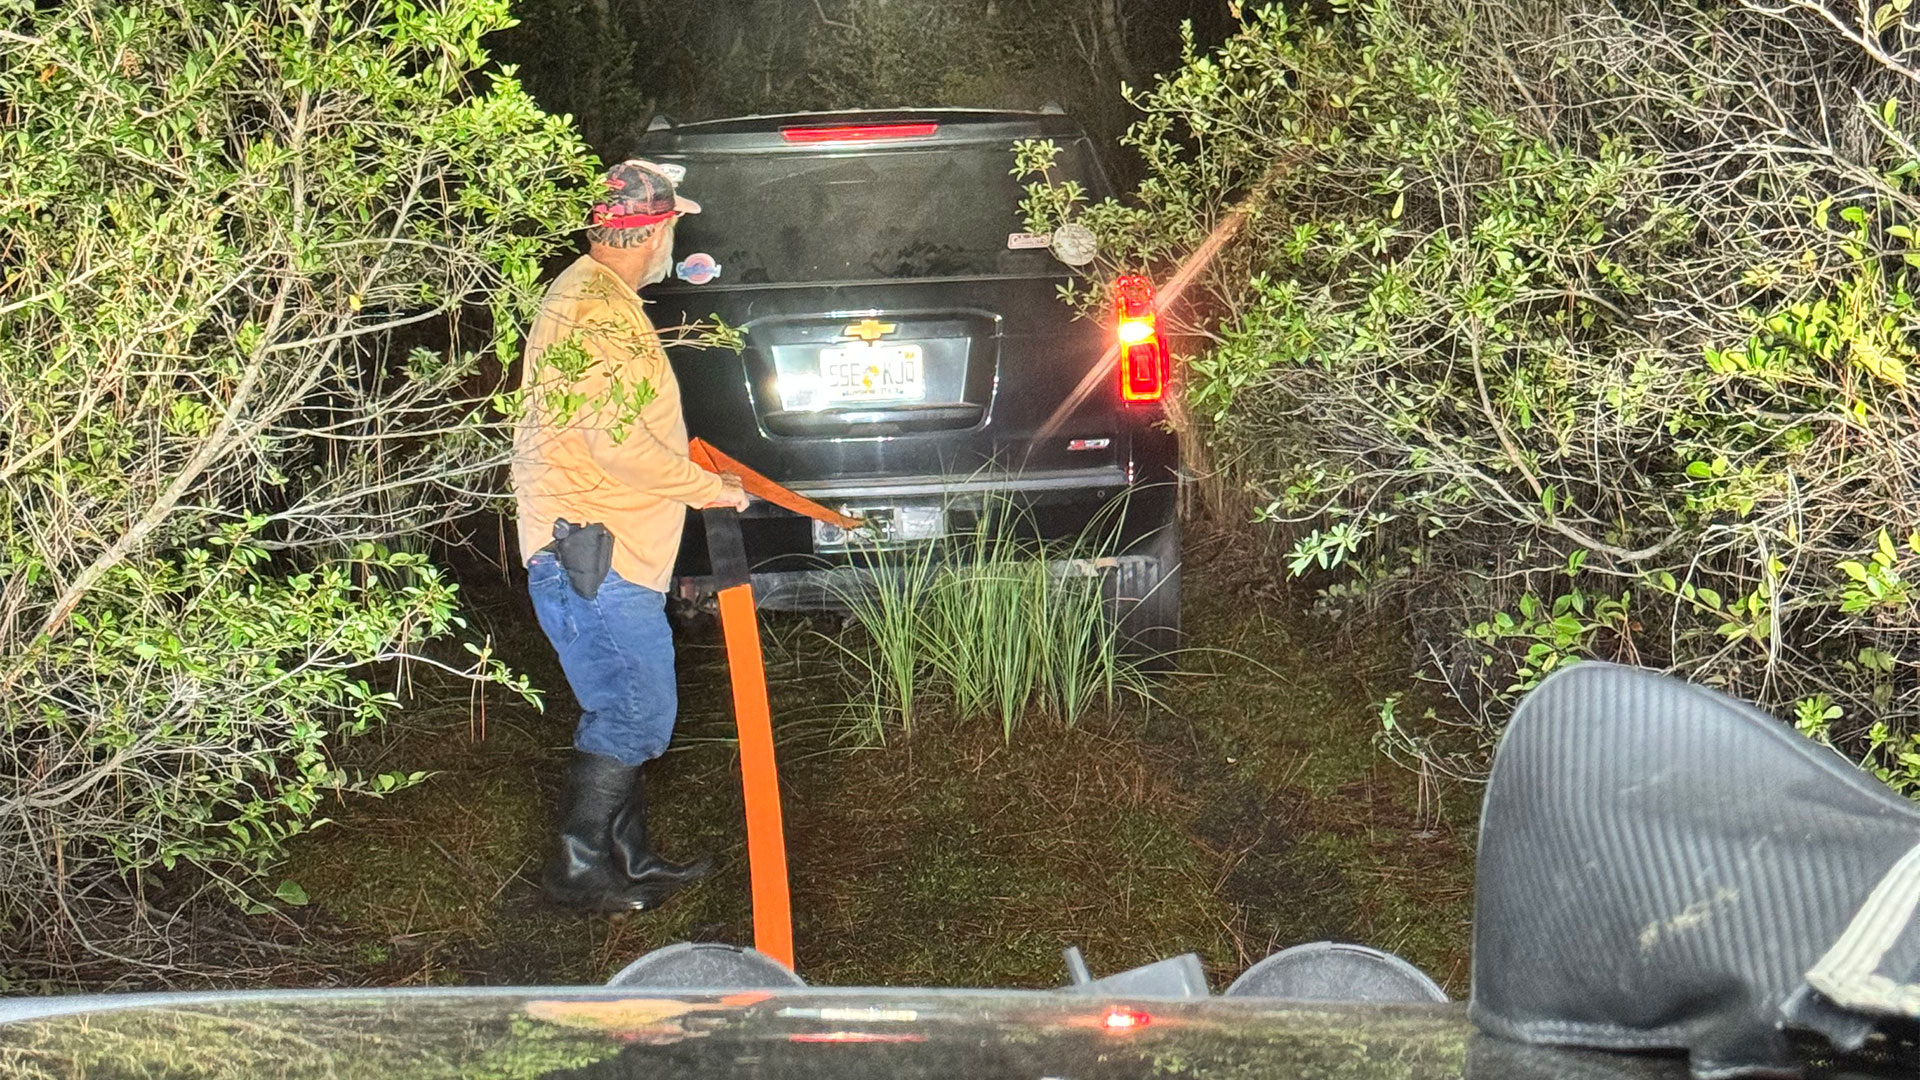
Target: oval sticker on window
[[697, 269]]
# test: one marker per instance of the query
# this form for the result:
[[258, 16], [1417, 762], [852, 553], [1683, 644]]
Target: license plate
[[882, 373]]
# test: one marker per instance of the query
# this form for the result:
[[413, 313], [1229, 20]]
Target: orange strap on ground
[[704, 455], [759, 776], [753, 715]]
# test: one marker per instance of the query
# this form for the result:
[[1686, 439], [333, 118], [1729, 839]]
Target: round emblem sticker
[[1075, 244], [697, 269]]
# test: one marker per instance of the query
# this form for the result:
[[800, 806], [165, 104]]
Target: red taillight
[[858, 133], [1143, 371], [1143, 351], [1135, 295]]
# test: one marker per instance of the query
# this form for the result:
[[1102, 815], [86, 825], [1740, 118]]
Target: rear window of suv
[[873, 214]]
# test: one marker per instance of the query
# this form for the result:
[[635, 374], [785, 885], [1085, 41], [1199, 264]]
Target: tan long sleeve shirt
[[603, 439]]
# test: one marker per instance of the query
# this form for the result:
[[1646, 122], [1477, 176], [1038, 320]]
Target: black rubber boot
[[586, 873], [638, 860]]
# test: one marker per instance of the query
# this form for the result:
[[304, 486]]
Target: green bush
[[1571, 329], [238, 239]]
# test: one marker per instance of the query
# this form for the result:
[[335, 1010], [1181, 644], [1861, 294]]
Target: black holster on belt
[[585, 552]]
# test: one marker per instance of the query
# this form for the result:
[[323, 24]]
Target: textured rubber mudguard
[[1663, 867]]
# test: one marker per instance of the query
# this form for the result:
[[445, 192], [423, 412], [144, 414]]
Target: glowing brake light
[[1143, 351], [1120, 1019], [858, 133]]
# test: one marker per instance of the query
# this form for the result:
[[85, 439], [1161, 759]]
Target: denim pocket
[[552, 600]]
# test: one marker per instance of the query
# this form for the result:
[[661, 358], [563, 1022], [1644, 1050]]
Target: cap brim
[[684, 205]]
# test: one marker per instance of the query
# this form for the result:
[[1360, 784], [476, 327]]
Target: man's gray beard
[[660, 269]]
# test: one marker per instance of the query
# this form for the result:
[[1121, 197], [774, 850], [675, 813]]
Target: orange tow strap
[[759, 776], [704, 455], [753, 715]]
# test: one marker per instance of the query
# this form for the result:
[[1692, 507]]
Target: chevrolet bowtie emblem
[[870, 331]]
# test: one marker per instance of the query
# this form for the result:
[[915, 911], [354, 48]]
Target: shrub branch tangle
[[221, 226], [1576, 329]]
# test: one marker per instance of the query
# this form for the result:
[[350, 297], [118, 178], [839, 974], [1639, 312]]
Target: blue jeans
[[617, 652]]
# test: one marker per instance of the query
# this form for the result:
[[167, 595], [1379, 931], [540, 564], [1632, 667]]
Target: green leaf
[[290, 892]]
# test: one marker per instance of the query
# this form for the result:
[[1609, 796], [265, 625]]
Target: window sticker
[[1026, 241], [697, 269], [1075, 244]]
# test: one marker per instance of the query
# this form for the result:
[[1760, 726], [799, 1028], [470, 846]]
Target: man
[[603, 482]]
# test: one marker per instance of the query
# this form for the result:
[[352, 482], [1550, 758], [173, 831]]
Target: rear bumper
[[953, 489], [1058, 506], [832, 588]]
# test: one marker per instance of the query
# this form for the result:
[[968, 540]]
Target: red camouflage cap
[[639, 193]]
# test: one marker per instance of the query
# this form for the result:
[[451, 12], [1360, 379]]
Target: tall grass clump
[[993, 625]]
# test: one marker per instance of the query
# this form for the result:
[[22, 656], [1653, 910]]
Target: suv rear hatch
[[899, 322]]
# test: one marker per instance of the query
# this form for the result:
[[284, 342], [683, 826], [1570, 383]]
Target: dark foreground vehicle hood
[[843, 1035]]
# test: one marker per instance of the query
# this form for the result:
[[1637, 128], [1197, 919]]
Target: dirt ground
[[1247, 813]]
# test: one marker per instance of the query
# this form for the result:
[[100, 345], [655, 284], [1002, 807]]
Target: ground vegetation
[[1243, 817], [1014, 629]]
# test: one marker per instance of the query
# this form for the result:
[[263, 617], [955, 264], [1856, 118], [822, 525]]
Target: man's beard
[[662, 266]]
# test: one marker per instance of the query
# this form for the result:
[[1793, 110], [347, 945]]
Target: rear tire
[[1147, 599]]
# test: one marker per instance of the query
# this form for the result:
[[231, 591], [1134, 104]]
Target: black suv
[[908, 356]]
